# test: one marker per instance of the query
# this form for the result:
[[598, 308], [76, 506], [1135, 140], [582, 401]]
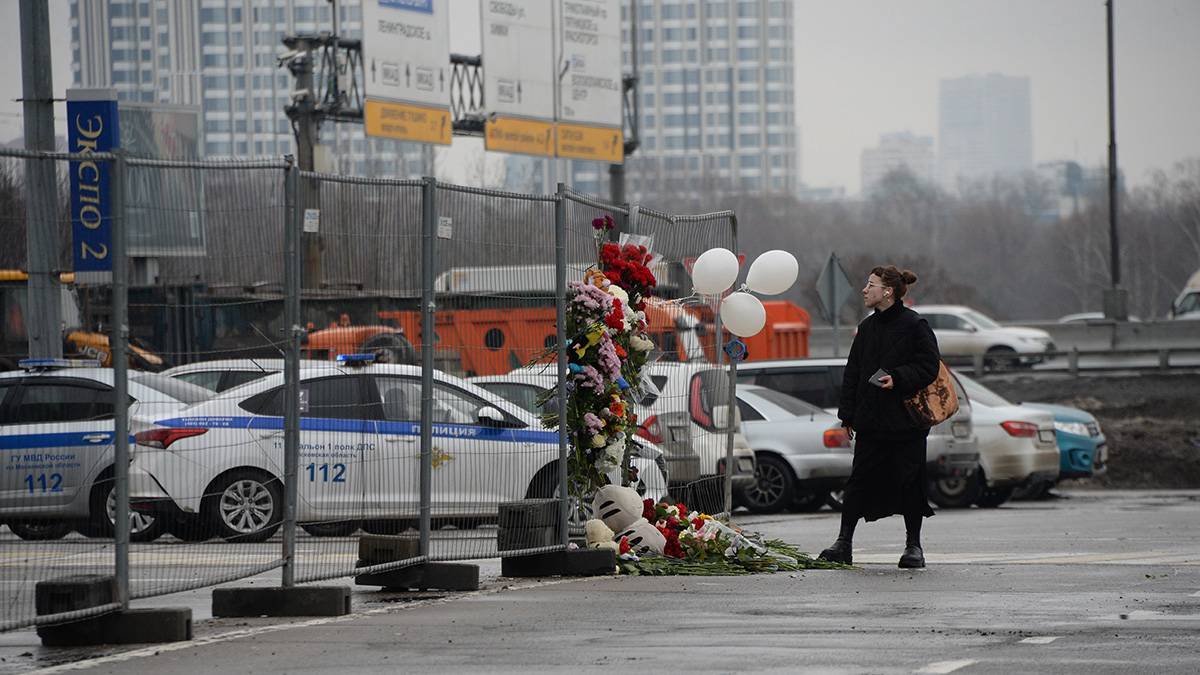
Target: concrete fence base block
[[294, 601], [376, 549], [515, 539], [426, 576], [584, 562], [131, 626], [70, 593], [529, 513]]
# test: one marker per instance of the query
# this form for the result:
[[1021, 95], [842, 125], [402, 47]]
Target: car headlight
[[1077, 428]]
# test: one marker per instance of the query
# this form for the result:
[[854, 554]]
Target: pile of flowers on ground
[[666, 538], [607, 352]]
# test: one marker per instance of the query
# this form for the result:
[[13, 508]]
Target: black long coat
[[889, 451]]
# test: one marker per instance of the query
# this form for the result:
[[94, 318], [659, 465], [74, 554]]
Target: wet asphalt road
[[1097, 582]]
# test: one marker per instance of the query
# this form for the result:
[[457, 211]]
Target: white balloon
[[773, 272], [743, 314], [714, 271]]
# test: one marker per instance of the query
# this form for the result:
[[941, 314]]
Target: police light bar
[[355, 359], [51, 364]]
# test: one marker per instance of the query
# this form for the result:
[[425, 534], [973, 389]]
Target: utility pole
[[304, 119], [616, 172], [41, 217], [1115, 298]]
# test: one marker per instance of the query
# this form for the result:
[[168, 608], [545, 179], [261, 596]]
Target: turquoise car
[[1081, 443]]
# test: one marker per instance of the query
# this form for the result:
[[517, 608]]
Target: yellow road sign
[[600, 144], [529, 137], [407, 122]]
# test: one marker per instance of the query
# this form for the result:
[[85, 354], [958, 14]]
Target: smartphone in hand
[[875, 379]]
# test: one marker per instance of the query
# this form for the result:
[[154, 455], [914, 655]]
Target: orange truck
[[473, 338], [493, 341]]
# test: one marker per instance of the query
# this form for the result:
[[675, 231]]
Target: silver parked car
[[801, 452], [951, 452]]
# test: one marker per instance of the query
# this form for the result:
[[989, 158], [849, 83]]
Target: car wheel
[[41, 530], [337, 528], [246, 506], [990, 498], [102, 514], [1001, 358], [773, 488], [545, 486], [143, 527], [956, 493]]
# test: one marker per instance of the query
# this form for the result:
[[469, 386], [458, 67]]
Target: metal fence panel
[[385, 447], [358, 449], [495, 282], [694, 385], [203, 476], [56, 427]]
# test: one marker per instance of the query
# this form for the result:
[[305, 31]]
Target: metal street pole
[[1114, 249], [1115, 298], [41, 218]]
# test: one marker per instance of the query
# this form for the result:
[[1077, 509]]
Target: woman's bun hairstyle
[[895, 279]]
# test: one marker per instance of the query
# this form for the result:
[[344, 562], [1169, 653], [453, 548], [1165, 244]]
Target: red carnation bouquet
[[628, 266]]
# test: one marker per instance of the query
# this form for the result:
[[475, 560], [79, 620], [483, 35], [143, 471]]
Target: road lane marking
[[1039, 640], [943, 667]]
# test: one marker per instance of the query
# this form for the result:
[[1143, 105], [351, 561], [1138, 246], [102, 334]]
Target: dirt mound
[[1151, 422]]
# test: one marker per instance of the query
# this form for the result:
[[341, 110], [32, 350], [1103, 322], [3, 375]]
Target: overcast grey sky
[[868, 67]]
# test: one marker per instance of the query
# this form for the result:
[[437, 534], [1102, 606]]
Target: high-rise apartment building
[[985, 127], [717, 100], [894, 151], [222, 56]]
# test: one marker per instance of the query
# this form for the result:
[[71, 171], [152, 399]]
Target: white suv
[[962, 331]]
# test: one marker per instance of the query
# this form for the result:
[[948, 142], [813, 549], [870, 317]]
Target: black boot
[[842, 551], [913, 558]]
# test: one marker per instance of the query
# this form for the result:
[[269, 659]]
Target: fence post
[[977, 364], [1164, 359], [560, 327], [429, 216], [119, 333], [292, 223], [1073, 361], [732, 403]]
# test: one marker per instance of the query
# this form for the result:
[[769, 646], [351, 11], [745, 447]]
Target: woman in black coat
[[894, 355]]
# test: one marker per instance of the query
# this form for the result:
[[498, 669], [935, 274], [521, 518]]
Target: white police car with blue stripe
[[56, 445], [221, 463]]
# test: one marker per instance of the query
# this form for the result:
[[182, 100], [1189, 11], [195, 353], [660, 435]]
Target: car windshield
[[791, 404], [981, 320], [179, 390], [980, 393]]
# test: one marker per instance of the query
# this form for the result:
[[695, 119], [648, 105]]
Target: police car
[[221, 463], [56, 445]]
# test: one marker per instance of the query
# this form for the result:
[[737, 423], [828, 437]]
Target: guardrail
[[1074, 361]]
